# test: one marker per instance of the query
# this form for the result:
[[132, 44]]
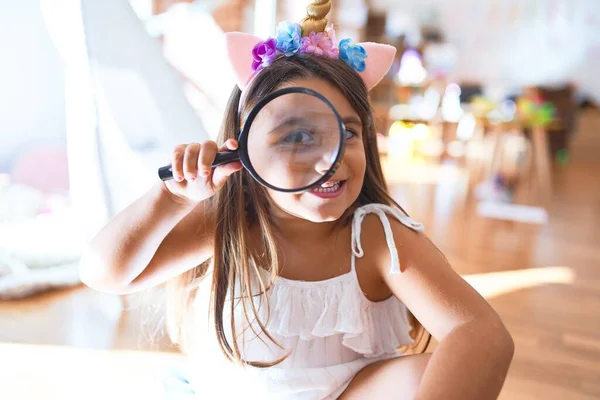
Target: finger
[[207, 156], [229, 145], [222, 172], [190, 161], [177, 162]]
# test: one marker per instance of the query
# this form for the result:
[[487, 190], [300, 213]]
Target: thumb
[[222, 172]]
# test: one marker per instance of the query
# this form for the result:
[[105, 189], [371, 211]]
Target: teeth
[[330, 184], [328, 189]]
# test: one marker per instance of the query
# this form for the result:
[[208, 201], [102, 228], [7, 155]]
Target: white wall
[[31, 81], [512, 43]]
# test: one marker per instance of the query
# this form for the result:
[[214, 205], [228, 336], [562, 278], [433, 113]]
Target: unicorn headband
[[249, 54]]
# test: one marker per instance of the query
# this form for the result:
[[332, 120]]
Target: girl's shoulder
[[377, 217], [378, 232]]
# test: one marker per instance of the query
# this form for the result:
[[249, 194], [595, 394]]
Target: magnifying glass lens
[[294, 141]]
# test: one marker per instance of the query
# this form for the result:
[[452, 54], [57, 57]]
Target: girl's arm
[[475, 349], [157, 237], [166, 232]]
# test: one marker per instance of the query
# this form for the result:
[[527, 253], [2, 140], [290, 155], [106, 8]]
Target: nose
[[329, 149], [324, 164]]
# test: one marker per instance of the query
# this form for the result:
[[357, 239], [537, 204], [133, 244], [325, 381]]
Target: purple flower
[[318, 44], [289, 37], [353, 54], [264, 53]]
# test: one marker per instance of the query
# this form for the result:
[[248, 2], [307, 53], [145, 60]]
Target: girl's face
[[329, 202]]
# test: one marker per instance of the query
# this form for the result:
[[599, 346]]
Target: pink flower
[[319, 44], [335, 51], [331, 34]]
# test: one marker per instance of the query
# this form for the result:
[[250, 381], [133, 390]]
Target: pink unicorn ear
[[239, 49], [380, 58]]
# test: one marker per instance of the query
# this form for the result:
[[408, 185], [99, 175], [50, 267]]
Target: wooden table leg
[[542, 157]]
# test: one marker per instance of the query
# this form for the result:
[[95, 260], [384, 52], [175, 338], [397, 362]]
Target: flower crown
[[290, 40], [249, 54]]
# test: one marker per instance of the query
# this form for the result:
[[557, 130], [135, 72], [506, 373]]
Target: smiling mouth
[[329, 189]]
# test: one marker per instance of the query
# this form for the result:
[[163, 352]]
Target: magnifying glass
[[292, 141]]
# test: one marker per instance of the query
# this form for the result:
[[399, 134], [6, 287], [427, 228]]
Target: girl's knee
[[414, 368], [388, 379]]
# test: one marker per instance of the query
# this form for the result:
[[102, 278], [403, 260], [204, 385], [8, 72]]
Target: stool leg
[[541, 154]]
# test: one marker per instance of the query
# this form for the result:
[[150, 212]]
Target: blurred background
[[488, 129]]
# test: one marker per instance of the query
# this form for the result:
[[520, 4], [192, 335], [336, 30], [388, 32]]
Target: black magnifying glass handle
[[166, 173]]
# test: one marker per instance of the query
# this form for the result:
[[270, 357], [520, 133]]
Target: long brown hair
[[242, 204]]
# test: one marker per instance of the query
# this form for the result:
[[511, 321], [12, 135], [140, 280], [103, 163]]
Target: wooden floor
[[544, 280]]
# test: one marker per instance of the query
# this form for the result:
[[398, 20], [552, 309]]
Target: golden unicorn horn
[[316, 13]]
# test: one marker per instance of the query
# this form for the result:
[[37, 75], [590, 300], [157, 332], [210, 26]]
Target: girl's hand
[[194, 180]]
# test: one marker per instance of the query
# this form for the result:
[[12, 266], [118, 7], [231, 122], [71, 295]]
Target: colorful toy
[[535, 113]]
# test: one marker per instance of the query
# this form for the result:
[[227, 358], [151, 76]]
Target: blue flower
[[353, 54], [289, 38]]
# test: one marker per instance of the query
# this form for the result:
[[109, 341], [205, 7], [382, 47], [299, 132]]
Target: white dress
[[330, 327]]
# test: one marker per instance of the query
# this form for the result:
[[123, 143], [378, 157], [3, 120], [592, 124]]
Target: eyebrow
[[292, 120], [352, 120], [288, 121]]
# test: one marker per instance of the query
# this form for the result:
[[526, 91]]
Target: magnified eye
[[297, 137]]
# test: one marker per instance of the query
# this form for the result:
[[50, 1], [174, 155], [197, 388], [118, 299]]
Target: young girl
[[303, 296]]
